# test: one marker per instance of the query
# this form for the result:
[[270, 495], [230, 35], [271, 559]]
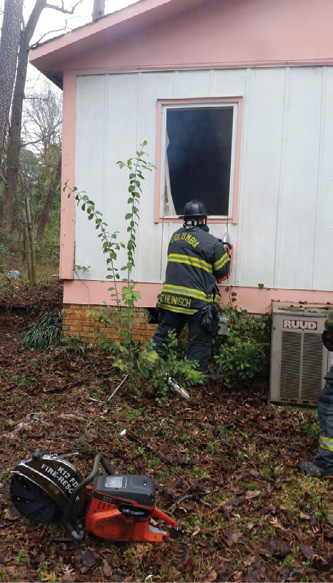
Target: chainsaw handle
[[99, 459]]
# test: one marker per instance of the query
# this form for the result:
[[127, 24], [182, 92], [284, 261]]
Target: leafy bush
[[173, 365], [244, 353], [44, 333]]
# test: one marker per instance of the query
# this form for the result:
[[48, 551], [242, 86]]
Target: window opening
[[199, 157]]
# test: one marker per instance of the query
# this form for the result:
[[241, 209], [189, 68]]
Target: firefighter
[[196, 262], [322, 465]]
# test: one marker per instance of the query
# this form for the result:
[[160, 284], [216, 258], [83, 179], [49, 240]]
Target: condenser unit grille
[[312, 369], [301, 366], [290, 365]]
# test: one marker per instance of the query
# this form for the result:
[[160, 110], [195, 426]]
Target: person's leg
[[170, 323], [324, 456], [323, 463], [199, 343]]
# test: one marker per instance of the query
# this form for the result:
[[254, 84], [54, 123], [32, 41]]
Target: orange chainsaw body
[[121, 509]]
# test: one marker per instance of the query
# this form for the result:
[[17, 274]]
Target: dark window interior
[[199, 156]]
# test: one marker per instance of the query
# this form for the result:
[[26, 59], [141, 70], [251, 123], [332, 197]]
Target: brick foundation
[[83, 322]]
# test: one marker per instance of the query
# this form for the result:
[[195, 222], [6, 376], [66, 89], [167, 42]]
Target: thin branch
[[62, 7], [35, 45]]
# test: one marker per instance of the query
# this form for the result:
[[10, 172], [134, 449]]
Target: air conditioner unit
[[299, 360]]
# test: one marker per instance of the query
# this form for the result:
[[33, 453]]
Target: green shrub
[[44, 333], [244, 353], [173, 365]]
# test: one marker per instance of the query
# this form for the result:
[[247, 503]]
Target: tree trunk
[[48, 201], [31, 241], [10, 39], [98, 9], [16, 123]]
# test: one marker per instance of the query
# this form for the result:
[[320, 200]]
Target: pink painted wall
[[213, 33], [255, 300]]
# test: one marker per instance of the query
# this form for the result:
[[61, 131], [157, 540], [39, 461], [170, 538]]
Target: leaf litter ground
[[224, 463]]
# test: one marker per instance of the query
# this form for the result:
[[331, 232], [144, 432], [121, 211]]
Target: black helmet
[[194, 209], [328, 325]]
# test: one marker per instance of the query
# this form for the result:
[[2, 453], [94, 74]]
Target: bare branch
[[62, 7], [47, 34]]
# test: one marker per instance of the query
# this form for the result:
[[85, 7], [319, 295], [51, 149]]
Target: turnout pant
[[324, 457], [199, 339]]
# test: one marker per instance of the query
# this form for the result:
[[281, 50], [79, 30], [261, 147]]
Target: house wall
[[285, 202]]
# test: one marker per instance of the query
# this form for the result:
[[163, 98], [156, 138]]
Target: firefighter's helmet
[[194, 209], [327, 335], [328, 326]]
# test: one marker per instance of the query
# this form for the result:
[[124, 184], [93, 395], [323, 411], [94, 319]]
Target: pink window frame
[[161, 103]]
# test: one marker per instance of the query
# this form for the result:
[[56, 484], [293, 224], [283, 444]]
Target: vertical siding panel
[[324, 218], [152, 242], [229, 83], [90, 171], [296, 220], [192, 84], [260, 177], [122, 145]]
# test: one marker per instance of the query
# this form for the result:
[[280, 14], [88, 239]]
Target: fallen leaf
[[11, 513], [248, 560], [252, 494], [279, 548], [304, 516], [107, 570], [68, 573], [275, 522], [211, 577], [234, 536], [306, 551], [89, 558]]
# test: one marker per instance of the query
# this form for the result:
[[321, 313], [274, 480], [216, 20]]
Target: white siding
[[284, 234]]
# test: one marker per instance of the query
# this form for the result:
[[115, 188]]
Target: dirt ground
[[224, 463]]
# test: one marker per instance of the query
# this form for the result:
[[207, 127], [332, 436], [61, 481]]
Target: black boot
[[315, 471]]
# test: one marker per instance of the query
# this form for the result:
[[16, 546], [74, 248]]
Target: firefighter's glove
[[209, 317], [327, 339], [228, 249]]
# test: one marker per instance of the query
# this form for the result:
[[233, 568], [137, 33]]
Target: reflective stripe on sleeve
[[221, 262]]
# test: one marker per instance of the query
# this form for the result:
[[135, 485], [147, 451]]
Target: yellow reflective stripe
[[175, 309], [186, 291], [221, 262], [151, 356], [326, 442], [188, 260]]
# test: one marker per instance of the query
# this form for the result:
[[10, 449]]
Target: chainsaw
[[48, 489]]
